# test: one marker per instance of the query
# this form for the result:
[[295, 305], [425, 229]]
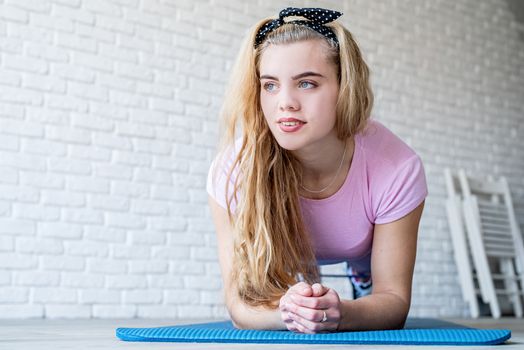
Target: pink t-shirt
[[386, 181]]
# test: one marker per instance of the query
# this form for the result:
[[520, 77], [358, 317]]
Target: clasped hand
[[310, 308]]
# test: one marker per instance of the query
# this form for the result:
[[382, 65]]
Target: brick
[[62, 263], [147, 238], [153, 176], [168, 224], [63, 198], [22, 194], [83, 248], [126, 282], [98, 34], [105, 234], [171, 252], [131, 158], [122, 220], [5, 276], [87, 184], [54, 295], [39, 246], [43, 147], [146, 296], [88, 92], [44, 83], [153, 146], [106, 266], [157, 311], [68, 134], [113, 171], [11, 111], [149, 207], [73, 72], [44, 21], [17, 261], [17, 227], [129, 189], [60, 230], [22, 96], [8, 176], [83, 216], [35, 212], [99, 296], [90, 59], [165, 281], [65, 311], [136, 72], [82, 280], [14, 295], [109, 202], [75, 14], [36, 278], [26, 64], [10, 13], [114, 311], [89, 152], [194, 312], [7, 243], [21, 311], [167, 163], [169, 193], [148, 267]]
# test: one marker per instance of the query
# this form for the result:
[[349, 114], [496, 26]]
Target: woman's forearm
[[376, 311], [249, 317]]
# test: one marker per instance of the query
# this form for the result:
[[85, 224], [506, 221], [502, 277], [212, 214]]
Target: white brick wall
[[108, 121]]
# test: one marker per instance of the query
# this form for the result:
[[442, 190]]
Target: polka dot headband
[[316, 18]]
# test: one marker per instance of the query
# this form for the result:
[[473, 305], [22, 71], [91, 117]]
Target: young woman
[[311, 180]]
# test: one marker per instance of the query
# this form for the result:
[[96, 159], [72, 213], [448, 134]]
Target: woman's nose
[[288, 101]]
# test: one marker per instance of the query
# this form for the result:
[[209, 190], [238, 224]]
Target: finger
[[319, 290], [306, 326], [302, 288], [302, 329], [309, 302], [310, 314]]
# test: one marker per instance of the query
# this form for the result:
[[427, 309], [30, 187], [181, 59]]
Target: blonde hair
[[271, 244]]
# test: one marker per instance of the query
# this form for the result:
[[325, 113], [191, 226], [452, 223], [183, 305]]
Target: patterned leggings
[[361, 283]]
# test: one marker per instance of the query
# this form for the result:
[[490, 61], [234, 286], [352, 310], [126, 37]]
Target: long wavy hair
[[272, 248]]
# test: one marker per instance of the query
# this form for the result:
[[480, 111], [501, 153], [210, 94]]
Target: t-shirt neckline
[[350, 174]]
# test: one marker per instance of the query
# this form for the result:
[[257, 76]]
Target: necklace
[[334, 178]]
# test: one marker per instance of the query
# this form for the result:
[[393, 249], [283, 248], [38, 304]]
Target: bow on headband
[[317, 17]]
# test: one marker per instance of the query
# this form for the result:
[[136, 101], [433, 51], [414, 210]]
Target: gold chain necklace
[[334, 178]]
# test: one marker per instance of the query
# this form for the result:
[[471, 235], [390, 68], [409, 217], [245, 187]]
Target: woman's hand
[[310, 308]]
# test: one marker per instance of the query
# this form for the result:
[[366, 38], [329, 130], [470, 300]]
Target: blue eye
[[269, 86], [306, 85]]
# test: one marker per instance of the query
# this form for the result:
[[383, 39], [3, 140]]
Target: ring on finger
[[324, 318]]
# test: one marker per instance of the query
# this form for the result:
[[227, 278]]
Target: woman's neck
[[325, 168]]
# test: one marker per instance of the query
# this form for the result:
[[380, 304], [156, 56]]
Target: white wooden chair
[[461, 249], [495, 240]]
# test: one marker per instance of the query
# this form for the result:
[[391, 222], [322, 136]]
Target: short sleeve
[[401, 192], [217, 179]]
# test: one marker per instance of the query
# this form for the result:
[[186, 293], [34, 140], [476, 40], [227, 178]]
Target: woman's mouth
[[290, 126]]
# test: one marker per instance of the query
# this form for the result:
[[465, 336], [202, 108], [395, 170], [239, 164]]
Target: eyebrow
[[298, 76]]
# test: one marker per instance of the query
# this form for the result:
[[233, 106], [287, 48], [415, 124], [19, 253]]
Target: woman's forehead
[[295, 57]]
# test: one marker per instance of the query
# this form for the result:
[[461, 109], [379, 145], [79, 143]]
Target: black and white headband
[[316, 18]]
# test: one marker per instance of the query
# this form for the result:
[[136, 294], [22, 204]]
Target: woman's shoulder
[[382, 147]]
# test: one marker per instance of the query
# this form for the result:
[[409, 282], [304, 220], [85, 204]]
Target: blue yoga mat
[[417, 332]]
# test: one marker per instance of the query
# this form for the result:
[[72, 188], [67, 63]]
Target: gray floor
[[100, 334]]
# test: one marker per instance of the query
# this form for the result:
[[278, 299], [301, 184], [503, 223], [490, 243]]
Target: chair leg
[[511, 285]]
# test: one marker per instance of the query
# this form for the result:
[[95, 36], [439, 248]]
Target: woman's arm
[[392, 264], [242, 315]]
